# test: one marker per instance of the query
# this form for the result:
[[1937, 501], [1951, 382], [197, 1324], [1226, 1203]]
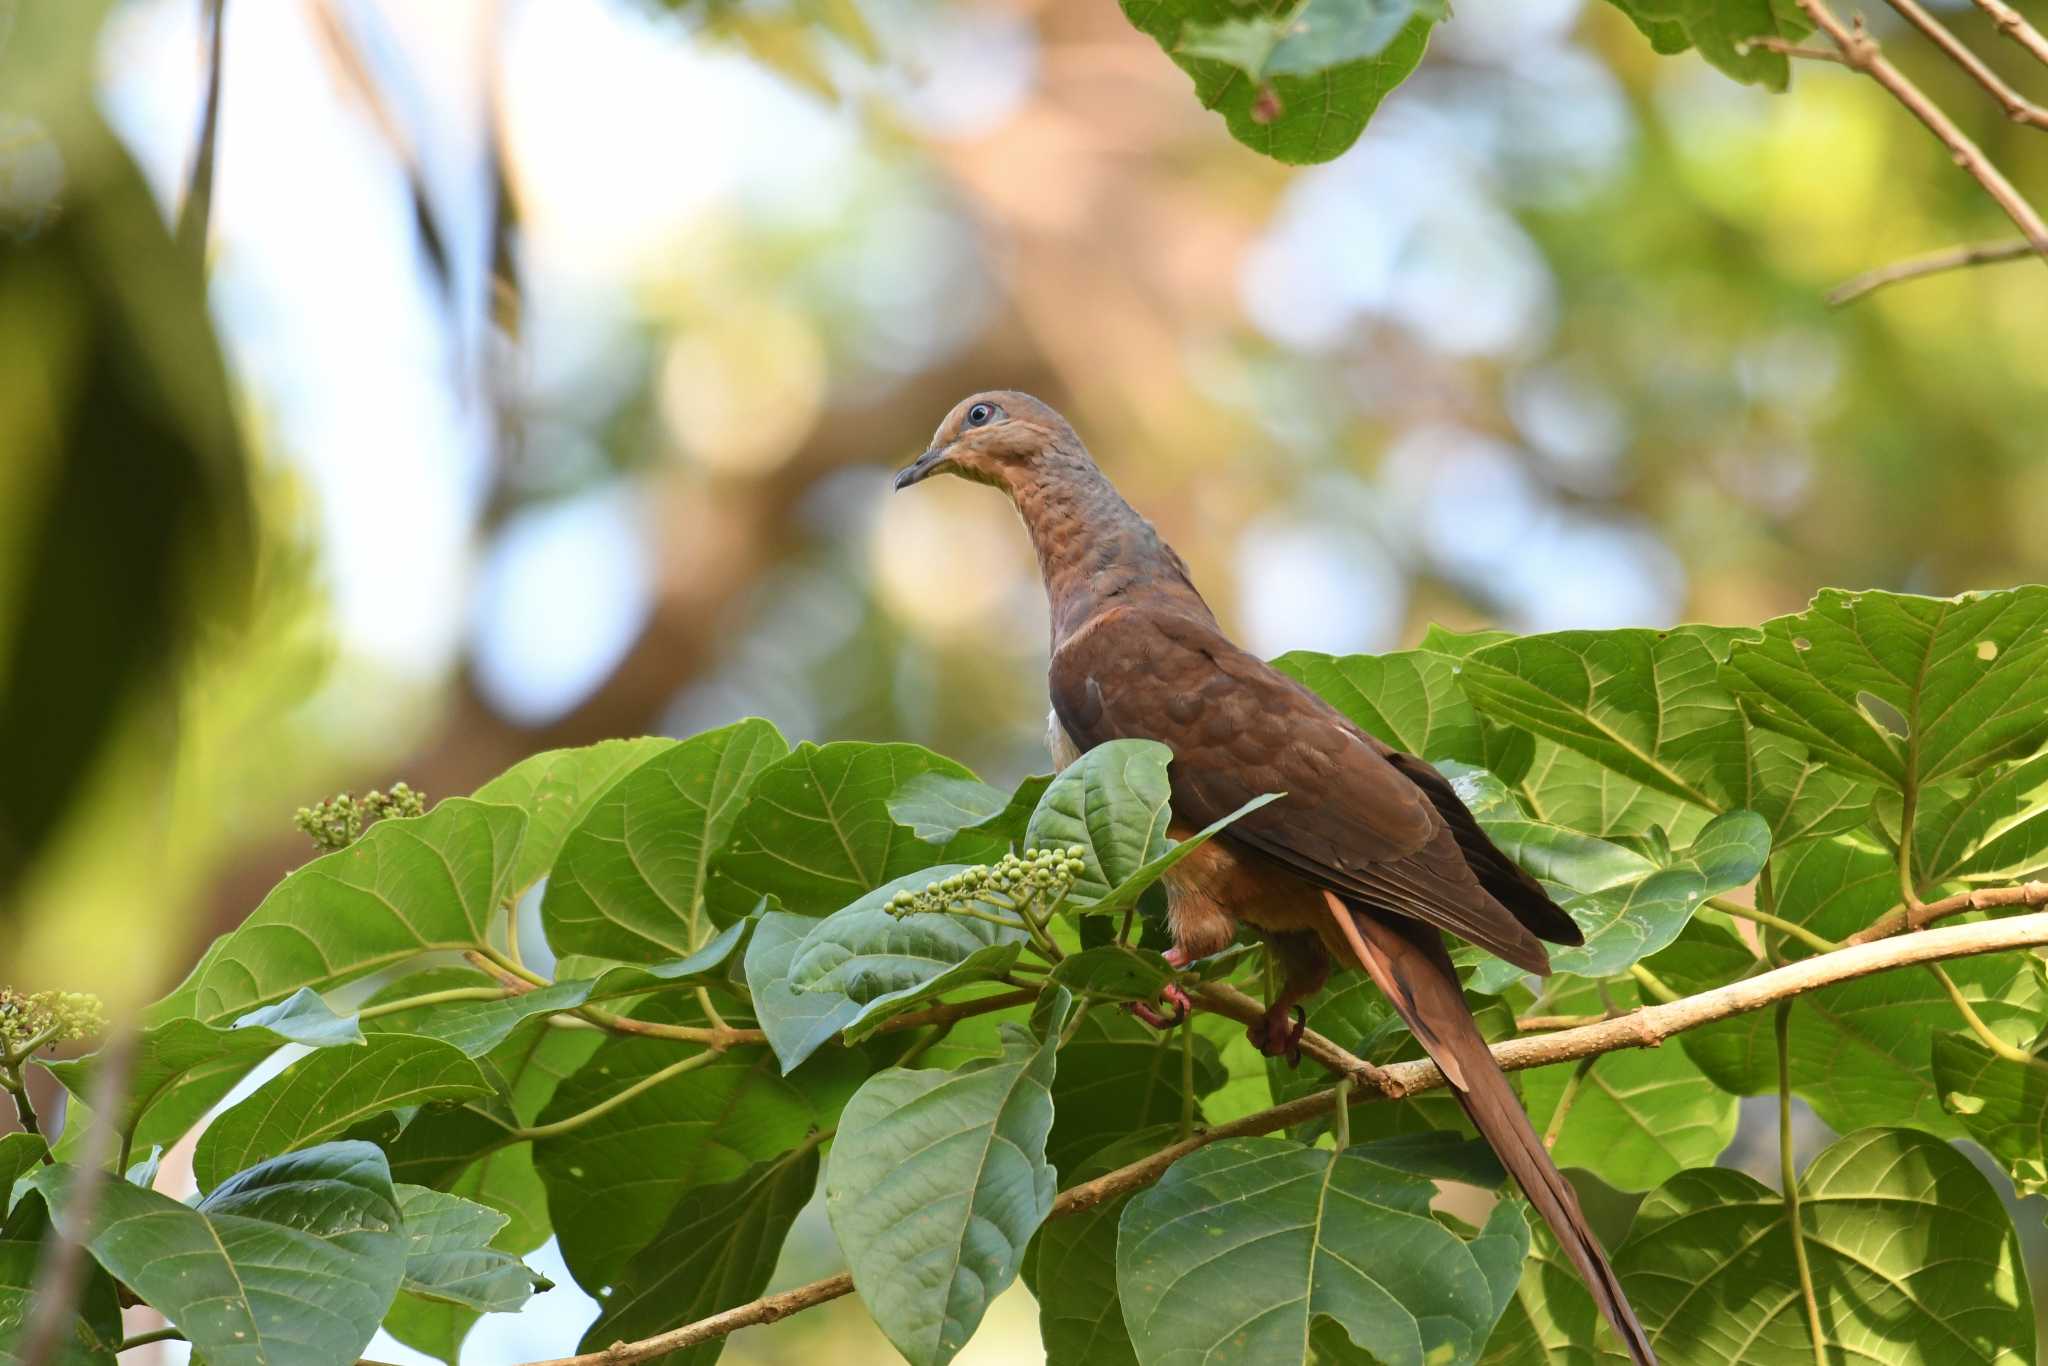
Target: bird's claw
[[1276, 1037], [1174, 997]]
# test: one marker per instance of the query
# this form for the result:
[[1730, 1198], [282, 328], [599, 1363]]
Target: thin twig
[[1932, 263], [1860, 52], [2017, 107], [1786, 48], [1900, 919], [1788, 1175], [1642, 1028], [1758, 916], [2013, 26]]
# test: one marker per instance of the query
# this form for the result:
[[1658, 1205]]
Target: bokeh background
[[571, 342]]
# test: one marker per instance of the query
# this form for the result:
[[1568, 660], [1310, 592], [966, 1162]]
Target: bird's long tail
[[1408, 962]]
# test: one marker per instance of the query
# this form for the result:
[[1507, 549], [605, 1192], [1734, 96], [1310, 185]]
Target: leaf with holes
[[718, 1249], [1906, 691], [555, 788], [630, 881], [290, 1263], [1245, 1245], [815, 831], [1913, 1259], [326, 1093], [938, 1179]]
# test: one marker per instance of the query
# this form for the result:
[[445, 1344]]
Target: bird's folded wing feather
[[1351, 821]]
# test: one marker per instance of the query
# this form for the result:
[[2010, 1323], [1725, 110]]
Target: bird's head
[[998, 437]]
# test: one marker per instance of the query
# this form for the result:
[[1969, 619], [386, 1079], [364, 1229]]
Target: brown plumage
[[1368, 856]]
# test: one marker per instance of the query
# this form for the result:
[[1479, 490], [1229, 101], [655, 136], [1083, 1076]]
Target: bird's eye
[[981, 414]]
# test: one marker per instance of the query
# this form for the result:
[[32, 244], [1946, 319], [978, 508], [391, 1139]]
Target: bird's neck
[[1094, 549]]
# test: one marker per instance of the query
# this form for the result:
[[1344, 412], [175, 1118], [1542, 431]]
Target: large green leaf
[[613, 1182], [797, 1023], [1117, 1075], [290, 1263], [815, 831], [717, 1250], [1310, 113], [474, 1027], [1628, 903], [555, 788], [1125, 895], [1113, 803], [1907, 691], [449, 1256], [1414, 701], [1551, 1320], [1992, 829], [1913, 1259], [938, 1179], [1566, 788], [2002, 1103], [885, 963], [328, 1092], [1246, 1245], [1649, 705], [630, 881], [95, 1330], [182, 1068], [1114, 972], [405, 888], [1636, 1117], [939, 806], [1071, 1266]]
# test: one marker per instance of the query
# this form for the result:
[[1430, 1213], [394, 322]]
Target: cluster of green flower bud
[[52, 1016], [1039, 875], [337, 822]]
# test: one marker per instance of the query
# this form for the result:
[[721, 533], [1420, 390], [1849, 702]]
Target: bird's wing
[[1351, 820]]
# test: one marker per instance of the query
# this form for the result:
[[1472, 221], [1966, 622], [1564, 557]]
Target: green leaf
[[95, 1331], [1629, 904], [325, 1093], [938, 1179], [555, 788], [1565, 788], [1114, 972], [1636, 1117], [613, 1182], [1125, 894], [1551, 1320], [1648, 705], [405, 888], [797, 1023], [1965, 679], [939, 806], [1247, 1244], [1118, 1075], [449, 1256], [1112, 802], [1071, 1266], [2001, 1103], [1913, 1260], [1722, 30], [1305, 40], [815, 832], [1993, 829], [885, 963], [474, 1027], [1801, 795], [717, 1250], [1411, 700], [1314, 113], [182, 1068], [290, 1263], [20, 1154], [630, 881]]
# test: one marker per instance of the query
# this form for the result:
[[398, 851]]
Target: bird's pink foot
[[1276, 1036], [1172, 996]]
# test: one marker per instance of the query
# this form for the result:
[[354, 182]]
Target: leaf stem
[[515, 968], [1789, 1177], [2010, 1052], [711, 1014], [144, 1339], [1650, 982], [568, 1123], [435, 998], [1789, 928], [1555, 1128], [1187, 1075]]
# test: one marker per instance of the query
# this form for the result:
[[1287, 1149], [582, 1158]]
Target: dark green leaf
[[1113, 973], [95, 1330], [1071, 1266], [328, 1092], [1309, 117], [290, 1263], [815, 832], [1246, 1244], [555, 788], [717, 1250], [1913, 1259], [20, 1154], [1117, 1075], [939, 806], [630, 882], [449, 1256], [1112, 802], [938, 1179]]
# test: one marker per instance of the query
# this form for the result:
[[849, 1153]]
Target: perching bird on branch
[[1368, 856]]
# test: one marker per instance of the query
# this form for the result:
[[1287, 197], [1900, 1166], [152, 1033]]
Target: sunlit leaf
[[555, 788], [2002, 1104]]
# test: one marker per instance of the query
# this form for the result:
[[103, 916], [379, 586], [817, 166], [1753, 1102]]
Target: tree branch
[[1932, 263], [2016, 28], [1643, 1028], [1860, 52], [2017, 107], [1901, 918]]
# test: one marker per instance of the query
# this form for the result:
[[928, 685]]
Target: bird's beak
[[924, 467]]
